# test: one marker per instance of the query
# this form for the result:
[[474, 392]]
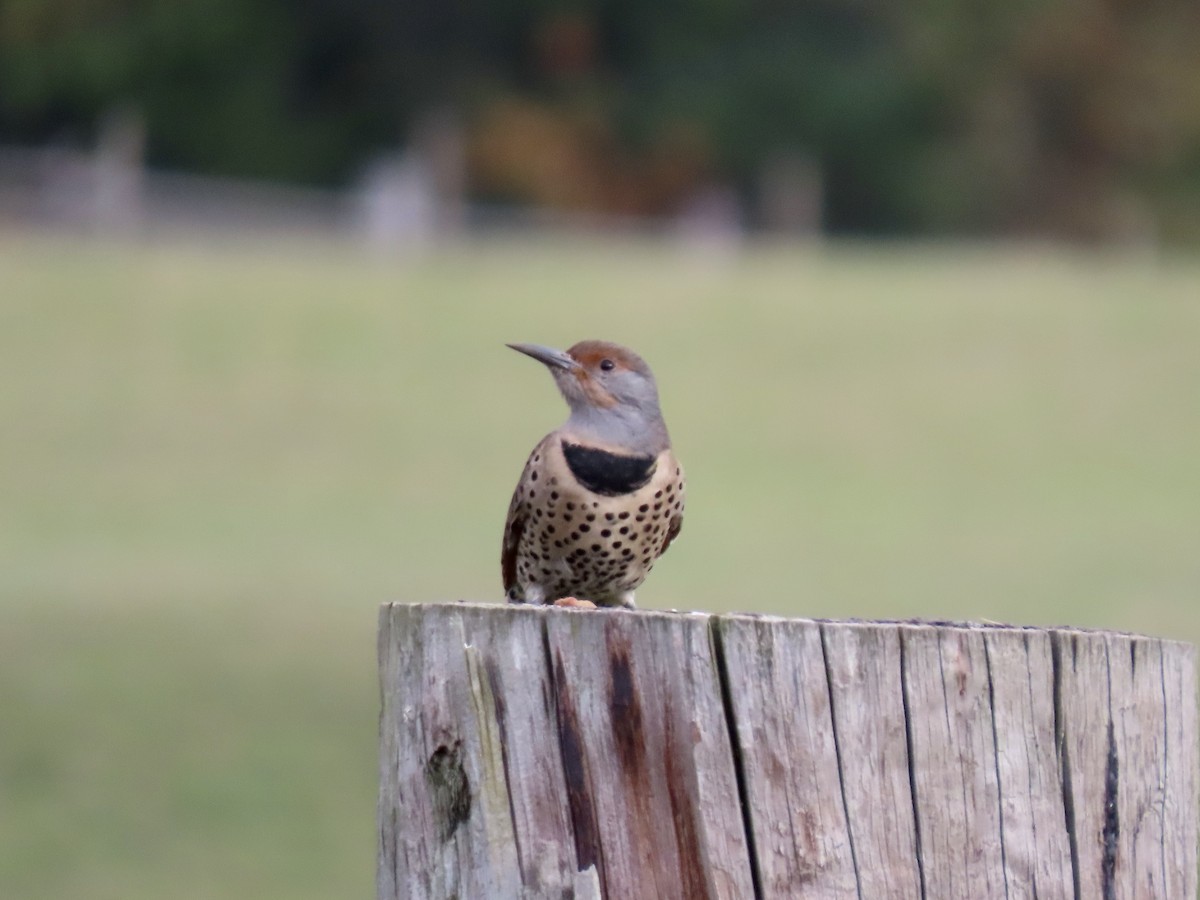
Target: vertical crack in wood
[[716, 638], [584, 827], [389, 850], [987, 662], [837, 752], [694, 869], [962, 782], [1111, 833], [1166, 759], [626, 720], [912, 774], [1112, 819], [1063, 749], [1030, 788], [501, 710], [395, 848]]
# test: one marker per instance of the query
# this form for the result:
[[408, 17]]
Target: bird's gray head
[[611, 392]]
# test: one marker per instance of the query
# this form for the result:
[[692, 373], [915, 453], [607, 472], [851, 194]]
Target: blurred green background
[[918, 281], [217, 461], [1060, 117]]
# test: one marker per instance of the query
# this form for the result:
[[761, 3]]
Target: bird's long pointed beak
[[555, 359]]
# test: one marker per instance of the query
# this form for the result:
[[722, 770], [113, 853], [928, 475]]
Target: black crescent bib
[[608, 474]]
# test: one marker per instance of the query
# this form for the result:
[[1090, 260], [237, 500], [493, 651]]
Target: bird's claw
[[574, 603]]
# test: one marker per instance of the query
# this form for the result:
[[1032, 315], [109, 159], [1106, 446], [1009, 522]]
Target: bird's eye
[[607, 364]]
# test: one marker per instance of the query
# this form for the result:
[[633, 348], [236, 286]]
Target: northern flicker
[[601, 497]]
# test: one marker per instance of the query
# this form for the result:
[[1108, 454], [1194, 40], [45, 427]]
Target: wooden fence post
[[550, 753]]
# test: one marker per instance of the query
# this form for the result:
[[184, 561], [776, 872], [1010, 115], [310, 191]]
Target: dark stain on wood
[[961, 665], [1112, 823], [1062, 748], [625, 707], [628, 726], [808, 853], [579, 795], [449, 788], [496, 684], [497, 688], [694, 880]]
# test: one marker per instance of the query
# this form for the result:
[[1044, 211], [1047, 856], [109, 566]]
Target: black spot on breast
[[608, 474]]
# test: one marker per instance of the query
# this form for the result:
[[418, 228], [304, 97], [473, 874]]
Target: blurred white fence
[[401, 202], [100, 192]]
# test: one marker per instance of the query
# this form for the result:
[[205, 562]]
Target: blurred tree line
[[1069, 117]]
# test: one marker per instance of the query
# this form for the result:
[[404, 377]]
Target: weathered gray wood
[[1182, 795], [473, 794], [780, 703], [1037, 847], [650, 769], [537, 753], [953, 758], [863, 665], [1129, 786]]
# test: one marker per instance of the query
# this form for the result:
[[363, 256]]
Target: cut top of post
[[541, 752]]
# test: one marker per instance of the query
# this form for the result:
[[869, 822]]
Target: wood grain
[[1037, 847], [551, 753], [863, 667], [787, 743], [650, 771]]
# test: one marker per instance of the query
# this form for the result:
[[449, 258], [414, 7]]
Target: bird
[[601, 497]]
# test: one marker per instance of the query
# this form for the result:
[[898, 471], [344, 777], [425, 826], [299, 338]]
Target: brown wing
[[673, 528], [514, 526]]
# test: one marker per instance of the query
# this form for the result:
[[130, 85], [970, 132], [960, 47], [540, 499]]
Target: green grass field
[[216, 462]]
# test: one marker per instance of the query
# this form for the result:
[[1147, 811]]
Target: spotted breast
[[590, 523], [601, 498]]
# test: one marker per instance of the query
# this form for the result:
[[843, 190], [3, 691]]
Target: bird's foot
[[574, 603]]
